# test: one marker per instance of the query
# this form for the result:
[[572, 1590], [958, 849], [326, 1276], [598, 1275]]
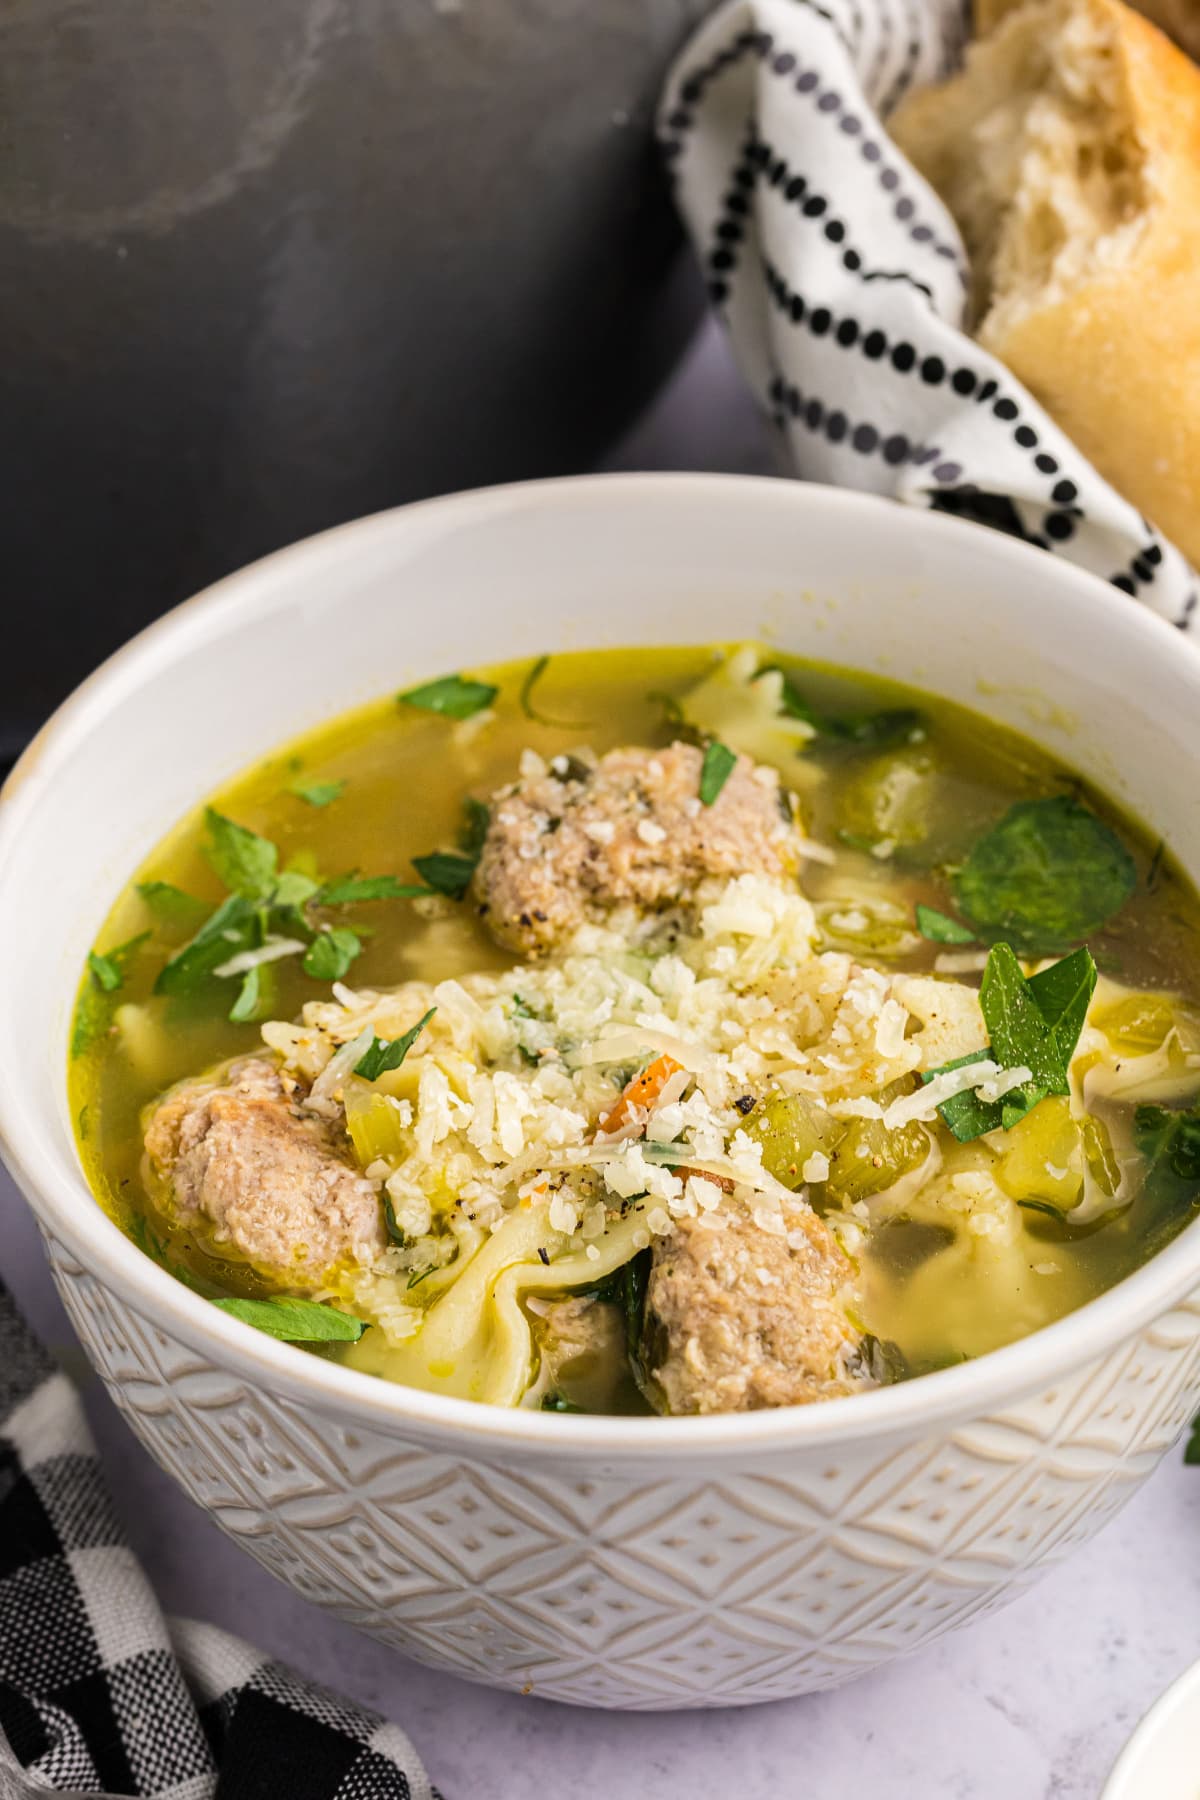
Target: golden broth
[[406, 773]]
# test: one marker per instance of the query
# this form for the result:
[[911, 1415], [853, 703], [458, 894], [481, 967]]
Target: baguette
[[1068, 151], [1180, 19]]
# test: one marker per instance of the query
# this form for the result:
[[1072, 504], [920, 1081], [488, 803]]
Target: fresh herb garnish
[[445, 872], [1032, 1024], [476, 819], [105, 971], [556, 1402], [873, 731], [331, 952], [171, 904], [453, 695], [348, 890], [106, 977], [1170, 1142], [536, 671], [884, 1360], [295, 1321], [1191, 1450], [226, 931], [245, 862], [318, 793], [1049, 874], [940, 928], [633, 1280], [395, 1234], [383, 1054], [245, 1007], [718, 765]]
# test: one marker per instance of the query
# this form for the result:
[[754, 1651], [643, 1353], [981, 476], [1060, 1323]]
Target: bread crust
[[1114, 357], [1180, 19]]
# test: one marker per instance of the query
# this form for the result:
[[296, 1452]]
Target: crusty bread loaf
[[1180, 19], [1068, 150]]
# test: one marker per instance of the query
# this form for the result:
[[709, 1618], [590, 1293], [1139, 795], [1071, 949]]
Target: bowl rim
[[64, 1204]]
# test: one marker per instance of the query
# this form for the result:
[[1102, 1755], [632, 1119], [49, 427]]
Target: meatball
[[264, 1180], [565, 847], [739, 1318]]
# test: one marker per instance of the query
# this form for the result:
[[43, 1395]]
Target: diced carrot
[[642, 1091], [722, 1181]]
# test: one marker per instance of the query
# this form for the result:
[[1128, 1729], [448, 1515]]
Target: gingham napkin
[[99, 1693], [842, 280]]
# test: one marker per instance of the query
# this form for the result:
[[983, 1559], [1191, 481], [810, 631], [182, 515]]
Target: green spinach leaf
[[1049, 874], [1032, 1024]]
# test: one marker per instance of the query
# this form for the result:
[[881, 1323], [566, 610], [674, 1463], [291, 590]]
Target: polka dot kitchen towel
[[843, 282], [101, 1695]]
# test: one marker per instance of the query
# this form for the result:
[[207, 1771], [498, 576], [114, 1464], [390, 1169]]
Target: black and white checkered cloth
[[102, 1695], [843, 282]]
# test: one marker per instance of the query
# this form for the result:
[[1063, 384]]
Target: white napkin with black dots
[[100, 1695], [843, 282]]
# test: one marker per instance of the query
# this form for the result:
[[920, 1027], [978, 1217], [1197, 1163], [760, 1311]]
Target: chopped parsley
[[870, 731], [718, 765], [106, 977], [383, 1054], [1033, 1023], [105, 971], [348, 890], [245, 1007], [395, 1234], [1049, 874], [331, 952], [295, 1321], [226, 931], [246, 863], [170, 904], [940, 928], [454, 696], [318, 793], [536, 671], [445, 872]]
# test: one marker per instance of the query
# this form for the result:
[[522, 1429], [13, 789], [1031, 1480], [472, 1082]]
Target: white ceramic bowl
[[617, 1562]]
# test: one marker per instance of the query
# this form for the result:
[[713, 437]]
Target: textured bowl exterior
[[780, 1575], [641, 1563]]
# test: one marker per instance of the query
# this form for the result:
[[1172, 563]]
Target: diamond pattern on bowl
[[773, 1575]]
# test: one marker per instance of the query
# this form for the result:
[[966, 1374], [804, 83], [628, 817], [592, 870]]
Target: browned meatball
[[738, 1318], [264, 1180], [564, 848]]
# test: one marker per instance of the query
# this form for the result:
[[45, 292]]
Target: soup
[[678, 1030]]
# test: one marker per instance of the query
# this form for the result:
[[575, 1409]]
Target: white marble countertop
[[1030, 1704]]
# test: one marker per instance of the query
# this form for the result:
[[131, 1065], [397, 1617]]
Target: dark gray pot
[[267, 265]]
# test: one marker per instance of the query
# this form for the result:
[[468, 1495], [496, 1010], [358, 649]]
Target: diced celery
[[373, 1122], [1138, 1022], [1101, 1161], [890, 799], [791, 1128], [869, 1157], [1043, 1156]]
